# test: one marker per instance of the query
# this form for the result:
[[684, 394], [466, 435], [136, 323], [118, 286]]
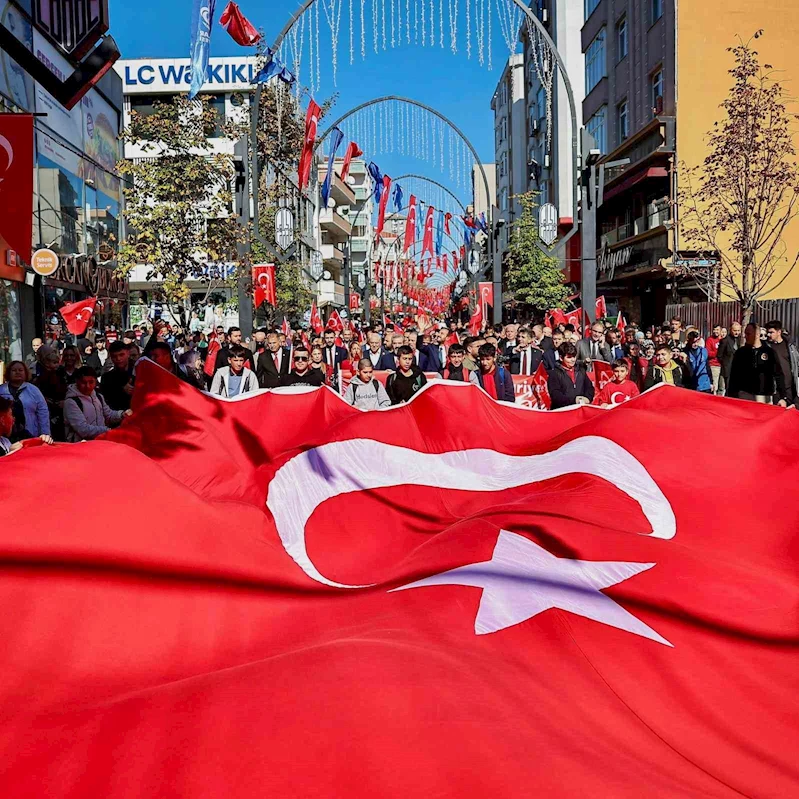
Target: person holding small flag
[[620, 388]]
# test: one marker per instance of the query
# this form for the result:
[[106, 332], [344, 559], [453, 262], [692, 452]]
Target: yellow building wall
[[705, 29]]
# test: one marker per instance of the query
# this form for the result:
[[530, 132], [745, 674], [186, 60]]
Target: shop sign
[[44, 262], [82, 270], [609, 261]]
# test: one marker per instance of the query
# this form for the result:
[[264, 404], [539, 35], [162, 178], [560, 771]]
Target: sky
[[458, 87]]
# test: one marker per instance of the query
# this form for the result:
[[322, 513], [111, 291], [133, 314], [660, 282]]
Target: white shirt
[[330, 355], [526, 361], [102, 355], [374, 357], [279, 354]]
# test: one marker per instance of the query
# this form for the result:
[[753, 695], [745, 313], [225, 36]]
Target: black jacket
[[563, 392], [313, 377], [94, 361], [752, 371], [728, 346], [515, 358], [113, 389], [682, 374], [268, 376], [223, 359]]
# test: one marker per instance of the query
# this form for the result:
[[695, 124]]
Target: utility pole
[[242, 199]]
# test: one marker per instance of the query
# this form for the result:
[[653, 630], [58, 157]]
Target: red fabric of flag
[[427, 241], [241, 30], [316, 319], [381, 213], [601, 308], [78, 315], [335, 322], [311, 124], [410, 225], [529, 599], [353, 151], [16, 181], [209, 367], [541, 386], [263, 282], [285, 328], [476, 320]]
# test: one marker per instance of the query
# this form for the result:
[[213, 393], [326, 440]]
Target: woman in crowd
[[355, 355], [31, 416], [86, 413], [318, 362], [53, 385], [70, 363]]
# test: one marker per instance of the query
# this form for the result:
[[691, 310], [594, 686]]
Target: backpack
[[375, 383]]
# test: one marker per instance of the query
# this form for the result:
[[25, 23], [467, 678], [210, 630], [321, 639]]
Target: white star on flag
[[522, 580]]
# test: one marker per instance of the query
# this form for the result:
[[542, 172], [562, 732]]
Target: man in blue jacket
[[496, 380]]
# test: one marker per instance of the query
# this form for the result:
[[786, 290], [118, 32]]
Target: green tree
[[292, 293], [178, 202], [737, 204], [535, 278]]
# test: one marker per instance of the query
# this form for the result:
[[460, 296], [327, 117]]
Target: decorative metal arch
[[435, 183]]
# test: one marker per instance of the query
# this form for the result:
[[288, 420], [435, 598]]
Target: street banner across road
[[453, 597]]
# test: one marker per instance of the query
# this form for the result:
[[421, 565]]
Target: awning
[[632, 180]]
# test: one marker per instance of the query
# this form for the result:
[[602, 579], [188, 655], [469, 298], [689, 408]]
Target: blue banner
[[397, 197], [337, 137], [439, 232], [202, 18], [377, 177], [274, 68]]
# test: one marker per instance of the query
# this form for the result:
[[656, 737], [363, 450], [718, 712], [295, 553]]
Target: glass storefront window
[[10, 322], [61, 208]]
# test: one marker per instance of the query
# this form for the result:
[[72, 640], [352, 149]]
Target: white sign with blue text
[[173, 75]]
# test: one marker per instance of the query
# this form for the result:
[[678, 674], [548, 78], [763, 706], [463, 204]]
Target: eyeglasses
[[300, 357]]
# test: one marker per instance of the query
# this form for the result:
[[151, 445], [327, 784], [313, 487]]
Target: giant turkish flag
[[16, 183], [530, 604]]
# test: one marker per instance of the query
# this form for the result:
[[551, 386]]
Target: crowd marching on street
[[76, 392]]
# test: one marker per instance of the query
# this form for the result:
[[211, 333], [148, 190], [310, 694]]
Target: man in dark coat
[[273, 363], [496, 380], [568, 383], [728, 346]]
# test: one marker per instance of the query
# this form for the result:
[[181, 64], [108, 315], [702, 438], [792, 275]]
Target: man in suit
[[552, 355], [334, 355], [379, 356], [594, 348], [616, 349], [524, 358], [425, 355], [540, 340], [440, 337], [273, 363]]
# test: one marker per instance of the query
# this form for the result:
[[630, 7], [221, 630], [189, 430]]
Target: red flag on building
[[335, 322], [541, 386], [238, 26], [353, 151], [78, 315], [263, 282], [381, 213], [570, 588], [316, 319], [355, 302], [427, 241], [410, 225], [601, 308], [16, 184], [311, 123]]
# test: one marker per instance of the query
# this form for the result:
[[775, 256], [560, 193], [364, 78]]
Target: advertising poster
[[101, 142], [15, 84]]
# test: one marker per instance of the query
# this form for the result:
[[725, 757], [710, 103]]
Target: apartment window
[[623, 113], [657, 10], [621, 39], [590, 5], [145, 105], [597, 127], [503, 200], [503, 165], [534, 125], [595, 61], [541, 103], [657, 92]]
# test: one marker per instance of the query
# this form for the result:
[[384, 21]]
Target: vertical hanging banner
[[440, 232], [331, 159], [427, 242], [397, 197], [263, 281], [486, 296], [447, 217], [353, 151], [16, 183], [202, 18], [311, 124], [410, 225], [316, 319], [377, 177], [381, 213]]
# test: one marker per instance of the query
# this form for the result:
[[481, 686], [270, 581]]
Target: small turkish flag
[[335, 323], [285, 328], [77, 315], [386, 321], [621, 324], [210, 356], [263, 281], [238, 26], [541, 386], [573, 318], [601, 373], [316, 320], [355, 301], [486, 296], [601, 308], [476, 320], [427, 241]]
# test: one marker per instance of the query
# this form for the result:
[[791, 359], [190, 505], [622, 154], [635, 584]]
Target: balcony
[[340, 191], [360, 244], [657, 218], [335, 226], [330, 293], [332, 256]]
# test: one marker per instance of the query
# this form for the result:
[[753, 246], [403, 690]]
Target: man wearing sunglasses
[[301, 373]]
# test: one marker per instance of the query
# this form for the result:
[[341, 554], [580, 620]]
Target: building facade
[[77, 198]]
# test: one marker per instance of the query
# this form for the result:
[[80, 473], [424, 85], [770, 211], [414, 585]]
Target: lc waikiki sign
[[173, 75]]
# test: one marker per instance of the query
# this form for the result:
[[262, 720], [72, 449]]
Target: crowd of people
[[78, 391]]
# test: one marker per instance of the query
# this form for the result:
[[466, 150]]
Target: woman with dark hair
[[70, 363], [568, 383], [29, 407]]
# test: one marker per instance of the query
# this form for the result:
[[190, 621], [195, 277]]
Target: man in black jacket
[[727, 348], [117, 385], [595, 348], [753, 369], [233, 340], [99, 359], [524, 357], [273, 363], [568, 383]]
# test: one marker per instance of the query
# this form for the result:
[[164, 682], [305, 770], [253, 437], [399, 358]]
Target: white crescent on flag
[[342, 467]]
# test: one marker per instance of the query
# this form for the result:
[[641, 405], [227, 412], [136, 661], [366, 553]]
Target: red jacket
[[712, 347]]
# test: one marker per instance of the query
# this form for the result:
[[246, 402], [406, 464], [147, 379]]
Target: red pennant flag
[[445, 263], [285, 328], [486, 296], [601, 373], [601, 308], [316, 319], [353, 151], [476, 320], [311, 123], [238, 26], [78, 315], [335, 322], [541, 387], [447, 217], [410, 225], [381, 214], [16, 183], [263, 281], [427, 241], [621, 325]]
